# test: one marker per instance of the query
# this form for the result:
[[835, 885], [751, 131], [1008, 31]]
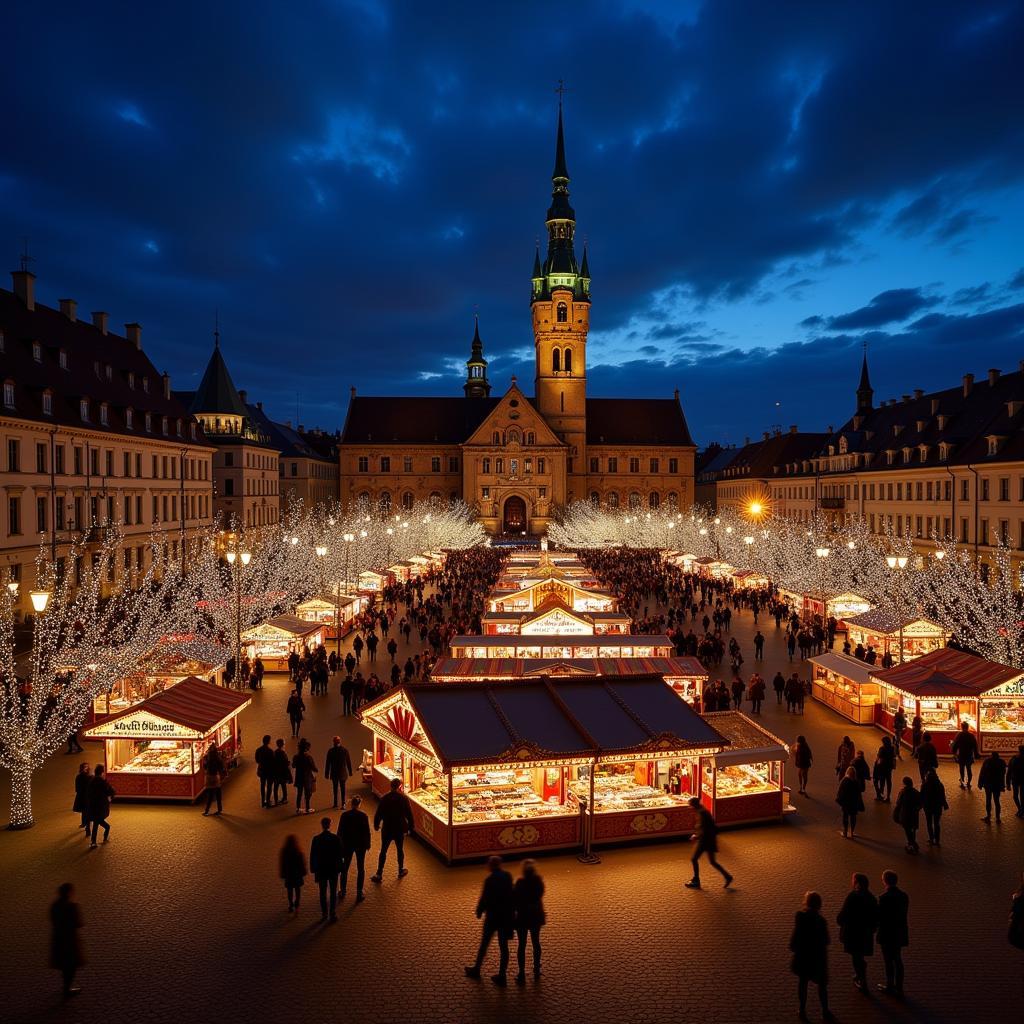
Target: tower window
[[556, 360], [563, 313], [568, 360]]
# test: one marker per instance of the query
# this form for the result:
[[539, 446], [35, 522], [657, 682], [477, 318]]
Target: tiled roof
[[216, 391], [645, 421], [759, 458], [89, 353], [289, 442]]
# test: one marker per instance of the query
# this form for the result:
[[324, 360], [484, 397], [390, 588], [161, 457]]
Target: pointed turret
[[865, 393], [584, 280], [560, 171], [217, 403], [477, 385]]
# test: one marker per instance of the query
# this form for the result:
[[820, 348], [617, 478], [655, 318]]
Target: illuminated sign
[[1014, 688], [140, 725], [558, 623]]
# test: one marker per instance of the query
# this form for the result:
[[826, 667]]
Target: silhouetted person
[[907, 812], [292, 869], [100, 795], [964, 749], [296, 710], [927, 756], [881, 772], [393, 819], [213, 766], [707, 842], [337, 768], [528, 896], [497, 908], [850, 798], [933, 803], [899, 727], [844, 756], [264, 758], [809, 946], [992, 779], [802, 758], [325, 863], [81, 804], [1015, 931], [304, 769], [282, 773], [354, 833], [893, 932], [857, 921], [65, 942]]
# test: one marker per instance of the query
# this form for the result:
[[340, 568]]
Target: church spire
[[477, 385], [560, 171], [865, 393]]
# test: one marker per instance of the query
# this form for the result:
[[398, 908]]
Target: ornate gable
[[509, 422]]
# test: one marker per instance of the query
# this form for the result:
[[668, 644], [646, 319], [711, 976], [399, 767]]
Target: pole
[[238, 628], [181, 473]]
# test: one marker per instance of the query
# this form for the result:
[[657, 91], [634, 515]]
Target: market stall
[[156, 673], [840, 606], [713, 567], [274, 640], [677, 672], [502, 767], [749, 579], [905, 638], [947, 687], [845, 685], [323, 608], [555, 620], [569, 593], [373, 581], [619, 645], [744, 782], [687, 676], [155, 749]]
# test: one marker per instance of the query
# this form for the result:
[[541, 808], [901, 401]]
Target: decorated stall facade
[[555, 619], [885, 633], [679, 673], [841, 607], [156, 673], [563, 591], [272, 641], [844, 684], [324, 608], [373, 581], [155, 749], [539, 645]]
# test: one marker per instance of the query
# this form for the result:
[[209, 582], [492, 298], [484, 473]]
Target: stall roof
[[850, 668], [748, 741], [547, 719], [516, 668], [535, 639], [878, 620], [288, 624], [947, 673]]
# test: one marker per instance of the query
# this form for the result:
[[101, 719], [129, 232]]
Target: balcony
[[833, 503]]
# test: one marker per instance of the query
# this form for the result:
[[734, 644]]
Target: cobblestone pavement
[[185, 919]]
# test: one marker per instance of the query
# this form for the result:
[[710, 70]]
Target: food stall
[[159, 670], [677, 672], [844, 683], [155, 749], [947, 687], [546, 591], [272, 641], [619, 645], [749, 579], [557, 620], [501, 767], [419, 565], [373, 581], [713, 567], [687, 676], [323, 608], [744, 782], [840, 606], [883, 631]]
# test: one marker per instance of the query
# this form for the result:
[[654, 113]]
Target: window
[[61, 525], [385, 501], [40, 458], [562, 313], [163, 425], [435, 464], [58, 459], [540, 465], [229, 488], [595, 467], [129, 418], [77, 453], [673, 465], [149, 422], [13, 456], [965, 489], [556, 360], [984, 488], [1004, 488], [672, 499], [567, 360], [406, 463], [499, 466], [485, 492], [654, 499], [634, 465], [612, 500], [83, 409], [634, 499], [613, 465], [655, 465], [531, 438], [407, 500], [37, 351], [496, 437], [385, 463], [595, 499], [364, 464], [41, 515], [13, 516], [528, 466], [983, 536], [9, 393], [63, 358], [485, 466]]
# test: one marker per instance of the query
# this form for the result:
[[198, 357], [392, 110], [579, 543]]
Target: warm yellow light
[[748, 540], [40, 599], [13, 587], [822, 552], [851, 544], [349, 537], [756, 508], [320, 551], [940, 555], [245, 557], [231, 556]]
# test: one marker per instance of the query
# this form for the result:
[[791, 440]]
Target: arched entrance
[[514, 518]]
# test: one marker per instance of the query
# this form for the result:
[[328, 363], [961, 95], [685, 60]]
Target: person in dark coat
[[857, 921], [304, 769], [354, 833], [860, 766], [809, 946], [778, 685], [393, 819], [927, 756], [707, 842], [296, 710], [893, 933], [282, 773], [992, 779], [881, 773], [338, 768], [933, 803], [907, 812], [802, 758], [264, 758], [964, 749], [528, 896], [213, 765], [81, 804], [65, 942], [899, 727], [844, 756], [851, 800], [497, 908], [292, 869], [1015, 779], [325, 864], [100, 795]]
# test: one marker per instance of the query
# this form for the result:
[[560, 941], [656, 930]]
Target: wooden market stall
[[324, 608], [555, 619], [558, 645], [567, 592], [883, 632], [679, 673], [844, 683], [947, 687], [748, 578], [275, 639], [840, 606], [373, 581], [154, 750], [502, 767]]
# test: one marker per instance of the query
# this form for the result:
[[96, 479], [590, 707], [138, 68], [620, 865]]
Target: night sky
[[763, 186]]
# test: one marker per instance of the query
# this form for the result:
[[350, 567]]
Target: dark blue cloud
[[887, 307]]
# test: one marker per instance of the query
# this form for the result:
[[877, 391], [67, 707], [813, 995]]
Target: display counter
[[885, 633], [273, 641], [845, 685], [622, 645], [687, 677], [677, 672], [155, 749]]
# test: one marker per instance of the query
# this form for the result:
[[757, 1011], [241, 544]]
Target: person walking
[[296, 711], [338, 768], [881, 772], [779, 685], [81, 803], [927, 756], [844, 756], [65, 941], [100, 795], [264, 758], [755, 691], [325, 863], [1015, 779], [893, 933], [213, 766], [528, 898], [803, 759], [850, 798], [907, 812], [933, 803], [809, 946], [916, 734], [354, 833], [497, 908], [992, 779], [964, 749], [860, 765], [759, 646], [707, 842], [282, 774], [393, 820], [899, 727], [857, 922], [304, 769], [292, 870]]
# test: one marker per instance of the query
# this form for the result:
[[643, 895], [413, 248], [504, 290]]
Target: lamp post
[[321, 551], [40, 599], [822, 554], [348, 538], [238, 560], [897, 563]]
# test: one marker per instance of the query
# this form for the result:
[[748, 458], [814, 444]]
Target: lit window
[[83, 409], [9, 394], [37, 351], [563, 313], [104, 413], [47, 403], [129, 418]]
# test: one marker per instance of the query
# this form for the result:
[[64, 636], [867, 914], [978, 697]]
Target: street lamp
[[898, 563], [40, 599], [238, 560]]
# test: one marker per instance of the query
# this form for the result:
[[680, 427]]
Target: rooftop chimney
[[968, 383], [906, 399], [792, 428], [133, 332], [99, 321], [935, 406], [993, 376], [25, 287], [244, 396], [167, 384], [69, 308], [767, 435], [918, 392]]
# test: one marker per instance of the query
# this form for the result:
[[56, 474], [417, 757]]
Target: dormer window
[[47, 403], [922, 452], [920, 425], [9, 394], [844, 446], [129, 418], [149, 422], [63, 358], [943, 451], [37, 351], [110, 372], [192, 431], [83, 409], [906, 455], [890, 455], [163, 425], [145, 384], [131, 380], [896, 429], [994, 442], [177, 427], [104, 413]]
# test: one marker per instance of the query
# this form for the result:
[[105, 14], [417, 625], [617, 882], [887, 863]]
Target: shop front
[[324, 608], [687, 677], [622, 645], [844, 684], [905, 638], [544, 592], [555, 619], [679, 673], [373, 581], [156, 673], [274, 640], [155, 749], [841, 606], [748, 579]]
